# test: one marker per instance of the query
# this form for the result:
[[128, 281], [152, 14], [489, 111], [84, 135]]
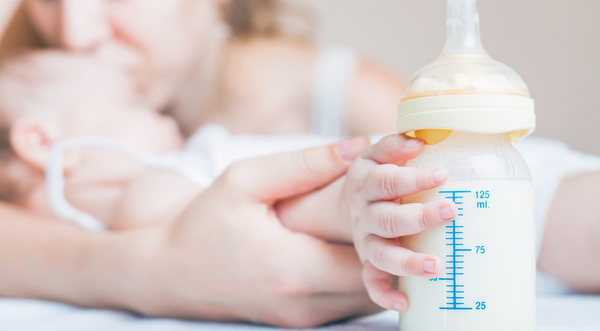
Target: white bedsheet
[[554, 313]]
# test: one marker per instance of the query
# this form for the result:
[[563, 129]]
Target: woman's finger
[[283, 175], [391, 220], [379, 287], [387, 255], [391, 182], [394, 149]]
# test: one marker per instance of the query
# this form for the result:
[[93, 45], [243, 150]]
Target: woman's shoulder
[[374, 96], [289, 68], [271, 55], [267, 80]]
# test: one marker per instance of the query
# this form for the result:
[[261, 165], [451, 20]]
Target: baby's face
[[94, 185], [83, 96], [94, 98], [131, 124], [73, 96]]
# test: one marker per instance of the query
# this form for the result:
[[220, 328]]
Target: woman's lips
[[131, 61]]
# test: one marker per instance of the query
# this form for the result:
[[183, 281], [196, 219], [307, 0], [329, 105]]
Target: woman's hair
[[248, 18]]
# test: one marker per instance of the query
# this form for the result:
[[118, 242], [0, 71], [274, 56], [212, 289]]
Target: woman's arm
[[227, 257], [571, 243], [46, 259]]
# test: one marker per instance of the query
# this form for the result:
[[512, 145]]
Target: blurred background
[[553, 44]]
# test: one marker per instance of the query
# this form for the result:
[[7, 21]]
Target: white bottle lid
[[476, 113]]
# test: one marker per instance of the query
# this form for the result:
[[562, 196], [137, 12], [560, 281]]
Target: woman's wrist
[[122, 267], [46, 259], [163, 277]]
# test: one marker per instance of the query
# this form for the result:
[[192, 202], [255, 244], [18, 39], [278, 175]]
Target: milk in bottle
[[487, 282]]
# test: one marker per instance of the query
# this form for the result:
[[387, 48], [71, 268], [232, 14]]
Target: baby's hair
[[9, 78], [26, 86], [42, 84]]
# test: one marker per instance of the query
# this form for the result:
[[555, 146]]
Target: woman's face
[[157, 41]]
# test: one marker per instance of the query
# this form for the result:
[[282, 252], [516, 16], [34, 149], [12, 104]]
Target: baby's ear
[[32, 140]]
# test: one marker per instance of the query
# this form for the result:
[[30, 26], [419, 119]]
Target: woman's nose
[[84, 24]]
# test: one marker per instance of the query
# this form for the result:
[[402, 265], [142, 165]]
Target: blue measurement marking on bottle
[[454, 234]]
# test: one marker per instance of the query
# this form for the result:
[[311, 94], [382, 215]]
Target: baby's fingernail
[[429, 266], [447, 214], [350, 149], [410, 143], [399, 307], [439, 176]]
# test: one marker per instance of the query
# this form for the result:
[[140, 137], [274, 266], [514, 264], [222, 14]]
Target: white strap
[[334, 73], [55, 180]]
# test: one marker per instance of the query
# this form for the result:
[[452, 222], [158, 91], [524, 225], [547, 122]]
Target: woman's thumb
[[283, 175]]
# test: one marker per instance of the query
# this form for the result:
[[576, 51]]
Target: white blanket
[[554, 313]]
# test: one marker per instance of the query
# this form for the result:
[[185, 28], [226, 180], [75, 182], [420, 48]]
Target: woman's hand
[[228, 257]]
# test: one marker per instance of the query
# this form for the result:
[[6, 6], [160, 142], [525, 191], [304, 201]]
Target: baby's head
[[49, 96]]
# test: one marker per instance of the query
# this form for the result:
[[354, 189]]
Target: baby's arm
[[571, 242], [318, 213], [153, 196]]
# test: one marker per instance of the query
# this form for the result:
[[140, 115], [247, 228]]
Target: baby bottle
[[470, 110]]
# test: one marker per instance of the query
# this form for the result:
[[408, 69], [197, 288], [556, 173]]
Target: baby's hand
[[374, 184]]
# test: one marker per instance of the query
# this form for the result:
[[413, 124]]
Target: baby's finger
[[390, 182], [378, 284], [388, 256], [391, 220], [394, 149]]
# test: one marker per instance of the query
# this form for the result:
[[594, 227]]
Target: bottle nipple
[[462, 30], [464, 68]]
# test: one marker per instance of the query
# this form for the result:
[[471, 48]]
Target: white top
[[333, 75]]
